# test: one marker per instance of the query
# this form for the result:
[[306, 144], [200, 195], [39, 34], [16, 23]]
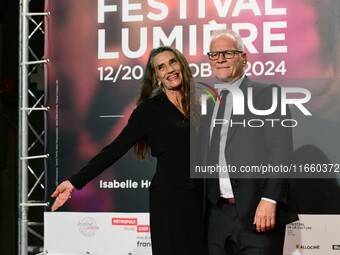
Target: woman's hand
[[62, 193]]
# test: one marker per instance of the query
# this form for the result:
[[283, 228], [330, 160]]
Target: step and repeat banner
[[97, 51], [108, 233], [97, 233]]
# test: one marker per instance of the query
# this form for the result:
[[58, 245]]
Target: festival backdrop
[[97, 50]]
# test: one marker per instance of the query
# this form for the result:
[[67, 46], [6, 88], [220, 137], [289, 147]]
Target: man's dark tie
[[213, 187]]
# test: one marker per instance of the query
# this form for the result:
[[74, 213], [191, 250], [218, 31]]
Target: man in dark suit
[[247, 212]]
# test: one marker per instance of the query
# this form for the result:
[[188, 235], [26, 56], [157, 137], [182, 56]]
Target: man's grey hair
[[229, 33]]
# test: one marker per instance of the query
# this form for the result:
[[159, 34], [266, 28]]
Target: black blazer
[[270, 144], [167, 132]]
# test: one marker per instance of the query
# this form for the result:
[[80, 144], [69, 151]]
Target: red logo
[[124, 221], [143, 228]]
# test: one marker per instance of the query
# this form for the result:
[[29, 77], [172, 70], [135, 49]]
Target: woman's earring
[[159, 83]]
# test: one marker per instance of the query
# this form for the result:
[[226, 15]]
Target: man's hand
[[62, 193], [265, 216]]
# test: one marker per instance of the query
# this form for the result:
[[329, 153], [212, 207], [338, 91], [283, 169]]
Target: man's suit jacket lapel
[[211, 181], [205, 138], [246, 83], [236, 119]]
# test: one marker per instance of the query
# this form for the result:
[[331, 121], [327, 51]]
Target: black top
[[167, 132]]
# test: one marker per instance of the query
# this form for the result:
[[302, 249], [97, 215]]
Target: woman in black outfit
[[160, 125]]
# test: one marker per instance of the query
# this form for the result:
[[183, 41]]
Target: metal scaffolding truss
[[32, 115]]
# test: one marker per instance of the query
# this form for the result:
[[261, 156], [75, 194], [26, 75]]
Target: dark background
[[9, 96], [9, 74]]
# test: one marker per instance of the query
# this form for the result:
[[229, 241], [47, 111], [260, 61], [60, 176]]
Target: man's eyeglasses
[[227, 54]]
